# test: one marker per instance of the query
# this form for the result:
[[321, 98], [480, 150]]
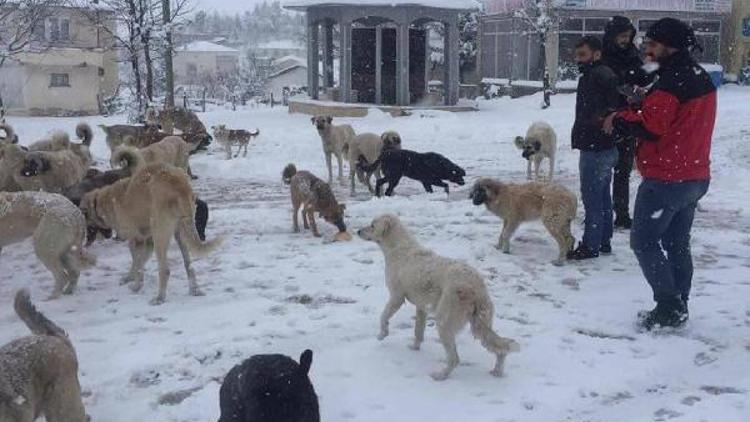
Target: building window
[[58, 29], [746, 26], [58, 80], [101, 71]]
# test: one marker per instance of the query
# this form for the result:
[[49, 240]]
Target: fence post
[[203, 101]]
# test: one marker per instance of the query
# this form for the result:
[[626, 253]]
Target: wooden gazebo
[[384, 48]]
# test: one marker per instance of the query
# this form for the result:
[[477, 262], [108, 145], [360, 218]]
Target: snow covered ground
[[272, 291]]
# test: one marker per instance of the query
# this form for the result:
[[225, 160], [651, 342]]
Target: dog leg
[[185, 251], [392, 185], [441, 184], [448, 339], [551, 167], [59, 273], [537, 164], [72, 268], [379, 186], [228, 150], [419, 327], [528, 170], [352, 174], [329, 164], [311, 218], [63, 401], [305, 222], [161, 246], [341, 168], [394, 304], [509, 227], [295, 217], [141, 252], [555, 229], [427, 187]]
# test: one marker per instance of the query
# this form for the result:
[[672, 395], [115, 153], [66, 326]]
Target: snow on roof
[[445, 4], [206, 47], [281, 45], [295, 59]]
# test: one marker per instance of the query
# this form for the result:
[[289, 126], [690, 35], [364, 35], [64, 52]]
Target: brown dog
[[148, 209], [554, 204], [312, 195], [39, 373], [58, 230]]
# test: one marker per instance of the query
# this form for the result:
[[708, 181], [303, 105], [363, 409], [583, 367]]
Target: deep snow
[[272, 291]]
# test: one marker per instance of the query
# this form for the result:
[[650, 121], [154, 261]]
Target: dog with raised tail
[[540, 143], [39, 373], [228, 138], [451, 290]]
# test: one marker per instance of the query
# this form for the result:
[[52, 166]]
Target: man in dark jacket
[[596, 97], [674, 128], [621, 55]]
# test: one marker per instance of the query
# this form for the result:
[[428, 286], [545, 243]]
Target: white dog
[[540, 143], [451, 290]]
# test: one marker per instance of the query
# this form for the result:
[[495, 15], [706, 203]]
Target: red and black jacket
[[675, 124]]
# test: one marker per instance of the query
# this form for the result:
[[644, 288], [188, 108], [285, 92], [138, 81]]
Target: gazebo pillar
[[451, 63], [403, 96], [313, 73], [328, 54], [379, 64], [345, 64]]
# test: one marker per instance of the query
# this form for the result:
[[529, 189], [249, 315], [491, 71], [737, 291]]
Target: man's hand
[[608, 125]]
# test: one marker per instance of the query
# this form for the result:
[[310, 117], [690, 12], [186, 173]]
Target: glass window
[[746, 27], [596, 25], [707, 26], [571, 24], [711, 49], [59, 80]]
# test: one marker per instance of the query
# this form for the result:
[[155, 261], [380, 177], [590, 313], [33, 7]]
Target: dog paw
[[415, 346], [53, 296], [439, 376], [196, 292], [317, 235], [382, 335], [558, 263], [156, 301], [69, 290], [136, 287], [496, 373]]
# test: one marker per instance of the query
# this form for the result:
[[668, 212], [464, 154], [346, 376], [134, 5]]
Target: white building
[[287, 72], [200, 60]]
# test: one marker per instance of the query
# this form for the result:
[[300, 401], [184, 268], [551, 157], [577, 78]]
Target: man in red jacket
[[674, 127]]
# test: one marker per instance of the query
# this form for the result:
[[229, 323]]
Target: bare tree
[[20, 21], [542, 20]]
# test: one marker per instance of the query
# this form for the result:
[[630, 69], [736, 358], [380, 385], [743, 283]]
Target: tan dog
[[148, 209], [228, 138], [116, 134], [60, 141], [7, 182], [368, 145], [334, 139], [554, 204], [312, 195], [39, 373], [451, 290], [48, 171], [181, 119], [540, 143], [171, 150], [58, 230]]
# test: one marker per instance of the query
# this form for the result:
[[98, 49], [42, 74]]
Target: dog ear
[[329, 119], [383, 225], [305, 361], [519, 141]]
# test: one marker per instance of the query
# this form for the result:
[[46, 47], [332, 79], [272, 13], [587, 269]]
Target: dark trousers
[[662, 222], [596, 193], [621, 184], [201, 218]]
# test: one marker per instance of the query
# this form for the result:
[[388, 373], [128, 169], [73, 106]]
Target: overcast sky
[[230, 6]]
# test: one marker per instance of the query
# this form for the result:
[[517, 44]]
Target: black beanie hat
[[617, 25], [673, 33]]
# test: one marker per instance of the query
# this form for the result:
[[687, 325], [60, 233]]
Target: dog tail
[[305, 361], [128, 158], [256, 133], [289, 171], [60, 139], [481, 325], [84, 133], [35, 320]]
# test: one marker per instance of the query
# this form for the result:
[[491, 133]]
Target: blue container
[[716, 72]]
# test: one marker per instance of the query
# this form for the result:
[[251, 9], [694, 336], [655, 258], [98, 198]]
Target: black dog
[[96, 179], [269, 388], [429, 168]]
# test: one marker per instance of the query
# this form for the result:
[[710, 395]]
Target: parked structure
[[384, 47], [511, 50], [69, 68]]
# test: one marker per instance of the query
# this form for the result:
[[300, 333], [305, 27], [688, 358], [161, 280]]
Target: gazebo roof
[[438, 4]]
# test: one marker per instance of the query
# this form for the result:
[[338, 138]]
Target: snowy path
[[270, 291]]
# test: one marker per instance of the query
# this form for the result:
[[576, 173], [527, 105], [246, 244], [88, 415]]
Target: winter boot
[[582, 252], [606, 249], [671, 313], [623, 222]]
